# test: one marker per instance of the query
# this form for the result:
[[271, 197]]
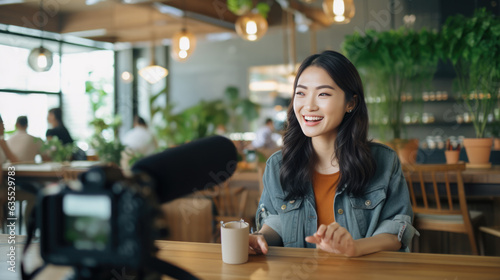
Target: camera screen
[[87, 221]]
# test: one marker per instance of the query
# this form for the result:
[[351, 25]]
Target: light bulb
[[184, 43], [339, 11], [251, 27], [127, 77], [41, 60], [183, 54]]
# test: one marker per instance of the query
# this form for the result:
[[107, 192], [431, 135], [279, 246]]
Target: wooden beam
[[315, 14], [29, 17], [216, 9]]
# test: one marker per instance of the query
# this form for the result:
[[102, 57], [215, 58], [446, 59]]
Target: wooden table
[[49, 170], [205, 261], [482, 175]]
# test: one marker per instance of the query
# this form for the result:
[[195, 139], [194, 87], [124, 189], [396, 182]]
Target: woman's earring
[[350, 111]]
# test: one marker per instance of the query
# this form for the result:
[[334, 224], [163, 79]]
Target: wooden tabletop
[[48, 171], [205, 261]]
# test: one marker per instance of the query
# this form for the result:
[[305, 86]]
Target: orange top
[[324, 186]]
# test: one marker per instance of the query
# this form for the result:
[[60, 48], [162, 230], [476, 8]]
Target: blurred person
[[54, 118], [330, 187], [264, 136], [23, 145], [140, 139], [5, 152], [24, 191], [264, 141]]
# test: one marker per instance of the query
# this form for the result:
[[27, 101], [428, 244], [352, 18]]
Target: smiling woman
[[319, 104], [330, 187]]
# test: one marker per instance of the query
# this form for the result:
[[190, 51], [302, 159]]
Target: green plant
[[494, 126], [107, 146], [108, 151], [241, 7], [391, 63], [472, 44], [202, 119], [96, 93], [55, 149], [240, 110]]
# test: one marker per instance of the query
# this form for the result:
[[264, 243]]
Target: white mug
[[234, 242]]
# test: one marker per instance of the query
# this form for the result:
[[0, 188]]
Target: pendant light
[[340, 11], [153, 73], [251, 26], [40, 59], [183, 42]]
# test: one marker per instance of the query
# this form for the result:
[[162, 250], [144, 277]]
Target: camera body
[[110, 221]]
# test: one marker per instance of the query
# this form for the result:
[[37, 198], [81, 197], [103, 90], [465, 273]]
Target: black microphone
[[200, 164]]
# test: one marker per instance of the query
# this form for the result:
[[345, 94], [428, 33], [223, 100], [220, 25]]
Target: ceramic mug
[[234, 242]]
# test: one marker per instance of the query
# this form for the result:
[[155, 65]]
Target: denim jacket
[[383, 208]]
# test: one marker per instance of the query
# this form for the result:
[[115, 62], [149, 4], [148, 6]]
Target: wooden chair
[[230, 204], [441, 208]]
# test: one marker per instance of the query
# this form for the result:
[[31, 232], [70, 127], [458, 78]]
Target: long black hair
[[57, 112], [351, 146]]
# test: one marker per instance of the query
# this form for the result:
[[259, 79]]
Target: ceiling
[[139, 20]]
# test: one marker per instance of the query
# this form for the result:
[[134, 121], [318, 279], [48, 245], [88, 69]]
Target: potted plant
[[392, 64], [472, 44], [56, 151]]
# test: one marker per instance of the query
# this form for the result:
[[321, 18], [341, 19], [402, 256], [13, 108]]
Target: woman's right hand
[[257, 244]]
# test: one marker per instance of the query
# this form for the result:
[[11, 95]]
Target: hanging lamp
[[40, 59], [183, 42], [154, 72], [340, 11], [251, 26]]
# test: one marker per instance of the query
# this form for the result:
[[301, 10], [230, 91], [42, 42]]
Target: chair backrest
[[437, 189], [230, 202]]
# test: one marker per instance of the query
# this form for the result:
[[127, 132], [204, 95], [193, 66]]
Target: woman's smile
[[311, 120]]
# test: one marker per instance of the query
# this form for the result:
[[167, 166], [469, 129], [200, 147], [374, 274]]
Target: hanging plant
[[242, 7], [239, 7]]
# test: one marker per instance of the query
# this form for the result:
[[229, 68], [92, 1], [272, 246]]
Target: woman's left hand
[[334, 239]]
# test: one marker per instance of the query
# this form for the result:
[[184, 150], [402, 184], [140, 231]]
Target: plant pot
[[407, 150], [478, 151], [452, 156]]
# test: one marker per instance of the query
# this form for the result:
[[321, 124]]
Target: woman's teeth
[[312, 119]]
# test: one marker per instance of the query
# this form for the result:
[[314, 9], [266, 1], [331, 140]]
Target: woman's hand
[[257, 244], [334, 239]]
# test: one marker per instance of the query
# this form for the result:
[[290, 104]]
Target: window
[[26, 92]]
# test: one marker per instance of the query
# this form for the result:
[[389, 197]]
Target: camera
[[108, 220]]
